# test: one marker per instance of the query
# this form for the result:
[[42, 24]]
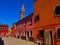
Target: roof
[[3, 25], [24, 18]]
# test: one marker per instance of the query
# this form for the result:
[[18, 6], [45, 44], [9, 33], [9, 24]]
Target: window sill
[[57, 15], [58, 40], [36, 21], [40, 38], [30, 24], [25, 25]]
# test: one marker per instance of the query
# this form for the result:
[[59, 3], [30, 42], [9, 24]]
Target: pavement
[[15, 41]]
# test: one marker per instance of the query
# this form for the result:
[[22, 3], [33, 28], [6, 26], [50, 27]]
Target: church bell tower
[[22, 13]]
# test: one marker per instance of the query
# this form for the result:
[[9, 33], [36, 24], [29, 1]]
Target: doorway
[[27, 35], [48, 37]]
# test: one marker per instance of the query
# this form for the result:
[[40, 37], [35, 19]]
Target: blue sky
[[10, 10]]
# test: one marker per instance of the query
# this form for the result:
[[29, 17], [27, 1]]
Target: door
[[27, 35], [48, 37]]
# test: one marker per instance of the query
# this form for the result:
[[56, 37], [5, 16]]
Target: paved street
[[14, 41]]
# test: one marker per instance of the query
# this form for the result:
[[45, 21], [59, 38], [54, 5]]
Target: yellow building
[[10, 32]]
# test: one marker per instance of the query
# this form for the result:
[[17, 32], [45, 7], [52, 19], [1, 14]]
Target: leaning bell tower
[[22, 13]]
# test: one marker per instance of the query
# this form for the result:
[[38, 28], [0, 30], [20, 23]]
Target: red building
[[3, 29], [13, 30], [17, 24], [24, 27]]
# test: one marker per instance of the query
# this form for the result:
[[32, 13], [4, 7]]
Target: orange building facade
[[47, 22]]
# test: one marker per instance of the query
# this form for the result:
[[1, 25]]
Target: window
[[57, 10], [0, 28], [5, 28], [30, 20], [18, 26], [41, 33], [58, 33], [25, 23], [24, 33], [30, 32], [36, 18]]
